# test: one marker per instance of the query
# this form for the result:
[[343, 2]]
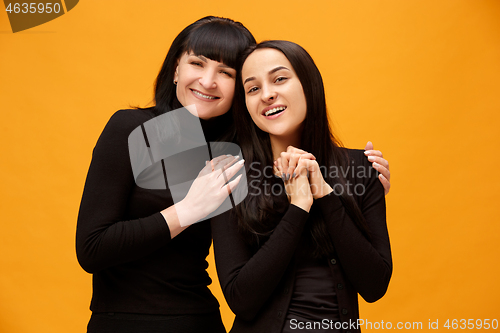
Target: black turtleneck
[[124, 241]]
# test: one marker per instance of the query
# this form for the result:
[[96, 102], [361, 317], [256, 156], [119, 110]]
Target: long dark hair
[[259, 214], [217, 38]]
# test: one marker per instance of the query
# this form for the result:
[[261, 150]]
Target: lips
[[203, 96], [273, 111]]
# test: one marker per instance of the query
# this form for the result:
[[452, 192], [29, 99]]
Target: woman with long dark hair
[[311, 234]]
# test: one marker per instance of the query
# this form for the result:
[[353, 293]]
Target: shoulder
[[128, 119], [359, 168], [120, 125], [362, 177], [356, 158]]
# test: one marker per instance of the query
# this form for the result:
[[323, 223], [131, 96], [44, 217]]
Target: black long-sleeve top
[[123, 239], [258, 284]]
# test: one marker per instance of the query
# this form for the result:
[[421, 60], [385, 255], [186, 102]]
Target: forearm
[[248, 279], [171, 216]]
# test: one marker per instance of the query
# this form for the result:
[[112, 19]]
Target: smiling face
[[273, 93], [206, 83]]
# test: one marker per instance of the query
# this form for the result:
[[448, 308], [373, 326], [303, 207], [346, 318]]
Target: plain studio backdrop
[[419, 78]]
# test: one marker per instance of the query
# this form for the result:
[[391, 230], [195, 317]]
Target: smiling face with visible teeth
[[273, 93], [206, 83]]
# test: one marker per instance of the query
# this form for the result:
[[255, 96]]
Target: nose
[[207, 80], [269, 95]]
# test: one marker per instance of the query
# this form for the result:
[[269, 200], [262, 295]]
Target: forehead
[[261, 61]]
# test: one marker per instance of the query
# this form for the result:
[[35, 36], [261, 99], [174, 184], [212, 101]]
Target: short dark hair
[[217, 38]]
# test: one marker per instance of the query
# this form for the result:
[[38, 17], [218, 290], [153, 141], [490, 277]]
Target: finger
[[301, 169], [385, 183], [304, 162], [214, 161], [369, 145], [220, 158], [284, 164], [292, 164], [231, 161], [307, 156], [373, 153], [279, 166], [231, 185], [379, 160], [276, 169], [293, 150], [310, 166], [231, 171], [383, 171], [223, 161]]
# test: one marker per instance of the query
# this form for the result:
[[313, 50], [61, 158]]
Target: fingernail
[[366, 152], [241, 162], [283, 176], [287, 176], [371, 158], [376, 165], [293, 175]]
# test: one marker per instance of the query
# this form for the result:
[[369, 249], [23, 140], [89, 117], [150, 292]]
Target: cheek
[[301, 102], [229, 91], [179, 94]]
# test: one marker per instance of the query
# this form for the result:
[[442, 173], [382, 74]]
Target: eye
[[226, 73], [251, 90], [281, 79], [196, 63]]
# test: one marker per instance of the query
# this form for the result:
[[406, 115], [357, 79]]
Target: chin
[[278, 132], [206, 114]]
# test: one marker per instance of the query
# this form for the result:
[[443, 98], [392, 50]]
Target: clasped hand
[[294, 162]]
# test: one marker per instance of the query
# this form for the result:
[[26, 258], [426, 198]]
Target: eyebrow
[[272, 71]]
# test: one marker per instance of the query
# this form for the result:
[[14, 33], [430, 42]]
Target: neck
[[280, 143]]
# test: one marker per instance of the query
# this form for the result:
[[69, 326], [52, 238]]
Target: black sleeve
[[248, 279], [367, 264], [103, 237]]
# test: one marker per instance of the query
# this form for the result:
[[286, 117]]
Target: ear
[[176, 73]]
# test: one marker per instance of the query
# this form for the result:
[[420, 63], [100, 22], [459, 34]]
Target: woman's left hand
[[380, 164], [291, 163]]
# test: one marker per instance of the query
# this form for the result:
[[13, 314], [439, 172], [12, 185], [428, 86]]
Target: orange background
[[421, 79]]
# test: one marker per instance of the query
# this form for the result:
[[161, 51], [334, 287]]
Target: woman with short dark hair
[[149, 269]]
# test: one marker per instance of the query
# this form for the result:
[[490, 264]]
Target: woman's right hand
[[299, 189], [209, 189]]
